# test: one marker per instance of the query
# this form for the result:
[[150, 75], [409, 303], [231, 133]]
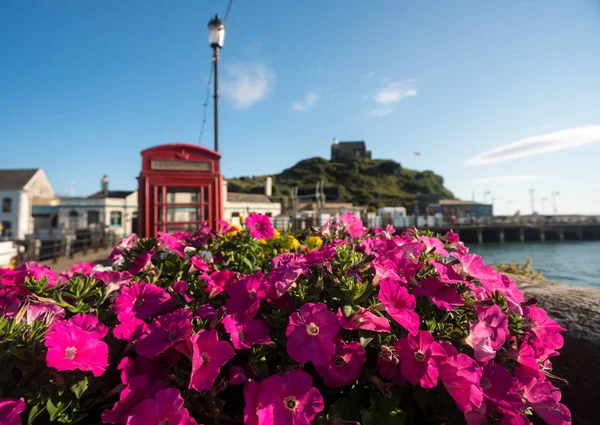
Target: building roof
[[458, 202], [119, 194], [352, 145], [16, 179], [248, 197]]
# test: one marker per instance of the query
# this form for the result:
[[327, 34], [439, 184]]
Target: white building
[[242, 204], [114, 210], [19, 191]]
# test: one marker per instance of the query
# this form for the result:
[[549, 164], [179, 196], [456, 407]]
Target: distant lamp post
[[216, 37], [544, 204], [554, 195]]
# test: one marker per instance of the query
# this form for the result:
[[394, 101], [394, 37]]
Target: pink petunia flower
[[543, 397], [281, 278], [251, 392], [246, 332], [344, 368], [165, 408], [524, 355], [546, 330], [310, 334], [181, 287], [130, 330], [480, 339], [9, 302], [288, 399], [400, 305], [218, 282], [460, 374], [245, 295], [388, 364], [445, 272], [434, 244], [10, 409], [419, 354], [198, 264], [208, 356], [35, 271], [497, 321], [79, 269], [260, 226], [138, 389], [74, 348], [113, 280], [352, 225], [500, 388], [237, 376], [141, 300], [164, 332], [473, 265], [445, 297], [120, 248], [171, 243], [364, 319]]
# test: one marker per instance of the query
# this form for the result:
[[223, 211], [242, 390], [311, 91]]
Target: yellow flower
[[276, 234], [314, 242], [242, 219], [293, 243], [234, 232]]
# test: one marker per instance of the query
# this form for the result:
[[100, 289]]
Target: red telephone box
[[180, 188]]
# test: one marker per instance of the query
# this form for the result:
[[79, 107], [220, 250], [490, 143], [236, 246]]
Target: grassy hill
[[371, 182]]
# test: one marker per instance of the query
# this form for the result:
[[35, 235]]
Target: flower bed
[[249, 326]]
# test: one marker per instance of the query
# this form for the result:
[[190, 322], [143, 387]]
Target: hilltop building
[[342, 150]]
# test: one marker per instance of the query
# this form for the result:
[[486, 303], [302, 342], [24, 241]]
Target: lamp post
[[554, 195], [216, 37]]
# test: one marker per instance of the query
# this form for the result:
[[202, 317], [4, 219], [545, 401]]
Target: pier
[[522, 232]]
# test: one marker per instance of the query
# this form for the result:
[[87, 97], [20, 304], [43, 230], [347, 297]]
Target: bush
[[246, 325]]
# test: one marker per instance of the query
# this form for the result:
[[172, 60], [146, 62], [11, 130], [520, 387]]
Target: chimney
[[269, 187], [224, 191], [104, 185]]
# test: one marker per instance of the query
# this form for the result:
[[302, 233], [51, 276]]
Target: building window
[[93, 217], [235, 214], [7, 205], [116, 219], [73, 219], [6, 229]]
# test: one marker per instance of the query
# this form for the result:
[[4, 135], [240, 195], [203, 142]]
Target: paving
[[65, 263]]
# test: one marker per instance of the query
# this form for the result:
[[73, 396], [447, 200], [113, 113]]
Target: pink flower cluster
[[371, 310]]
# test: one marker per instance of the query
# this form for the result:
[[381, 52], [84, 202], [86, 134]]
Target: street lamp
[[554, 195], [543, 204], [216, 37]]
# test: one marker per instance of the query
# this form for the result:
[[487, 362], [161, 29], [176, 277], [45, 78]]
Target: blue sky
[[85, 86]]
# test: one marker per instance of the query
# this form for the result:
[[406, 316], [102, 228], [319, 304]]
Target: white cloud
[[381, 112], [559, 140], [247, 83], [395, 91], [308, 102], [505, 179], [369, 75]]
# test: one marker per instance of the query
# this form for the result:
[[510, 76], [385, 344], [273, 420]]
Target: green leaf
[[344, 409], [384, 410], [365, 337], [360, 290], [34, 412], [348, 310], [55, 407], [79, 388]]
